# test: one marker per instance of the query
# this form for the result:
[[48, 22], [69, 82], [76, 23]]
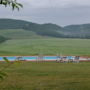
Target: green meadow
[[47, 76], [46, 46], [18, 34], [44, 75]]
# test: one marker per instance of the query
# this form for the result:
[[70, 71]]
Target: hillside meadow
[[18, 34], [46, 76], [46, 46]]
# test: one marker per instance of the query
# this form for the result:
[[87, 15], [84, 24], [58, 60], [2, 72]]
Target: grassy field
[[50, 46], [18, 34], [47, 76]]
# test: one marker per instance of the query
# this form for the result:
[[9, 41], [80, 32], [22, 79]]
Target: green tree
[[13, 3]]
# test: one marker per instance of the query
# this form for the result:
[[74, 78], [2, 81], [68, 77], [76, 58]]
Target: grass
[[29, 43], [50, 46], [47, 76], [18, 34]]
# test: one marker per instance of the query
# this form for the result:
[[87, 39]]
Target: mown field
[[49, 46], [47, 76]]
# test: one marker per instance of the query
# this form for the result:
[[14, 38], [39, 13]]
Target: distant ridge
[[48, 30]]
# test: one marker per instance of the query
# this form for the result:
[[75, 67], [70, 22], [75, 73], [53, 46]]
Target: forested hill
[[12, 24], [49, 29]]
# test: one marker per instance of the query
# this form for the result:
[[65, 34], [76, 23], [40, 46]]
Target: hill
[[24, 29], [41, 30], [12, 24], [19, 34], [79, 31]]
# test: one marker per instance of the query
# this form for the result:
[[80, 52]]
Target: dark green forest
[[49, 29]]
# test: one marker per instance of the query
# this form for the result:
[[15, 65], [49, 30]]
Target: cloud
[[55, 3], [61, 12]]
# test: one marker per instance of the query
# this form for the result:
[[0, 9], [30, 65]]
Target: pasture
[[46, 46], [47, 76]]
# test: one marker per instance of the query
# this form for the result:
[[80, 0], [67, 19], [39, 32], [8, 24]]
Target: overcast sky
[[61, 12]]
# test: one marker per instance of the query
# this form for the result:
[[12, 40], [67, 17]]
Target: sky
[[60, 12]]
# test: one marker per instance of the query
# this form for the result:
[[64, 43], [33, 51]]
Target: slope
[[47, 30], [19, 34]]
